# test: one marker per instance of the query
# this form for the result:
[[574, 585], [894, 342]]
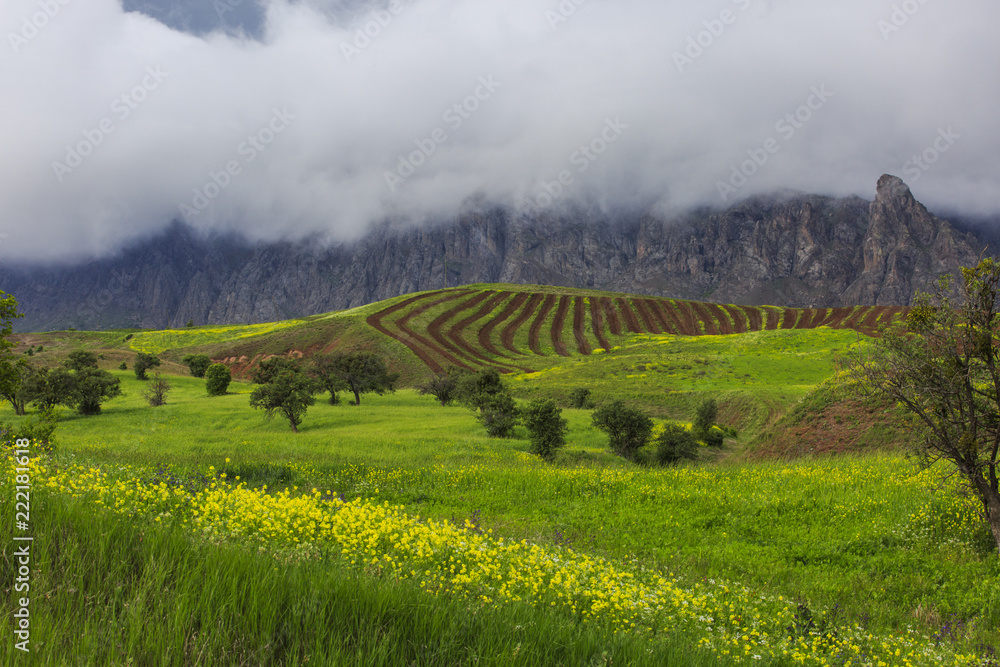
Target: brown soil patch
[[631, 321], [614, 323], [597, 323], [773, 318], [667, 316], [858, 315], [687, 317], [557, 327], [509, 331], [579, 324], [435, 327], [755, 317], [403, 322], [659, 316], [789, 317], [536, 327], [647, 317], [704, 315], [375, 321], [486, 333], [836, 319], [722, 317]]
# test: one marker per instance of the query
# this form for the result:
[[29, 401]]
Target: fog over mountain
[[283, 119]]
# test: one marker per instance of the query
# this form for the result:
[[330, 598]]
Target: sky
[[284, 119]]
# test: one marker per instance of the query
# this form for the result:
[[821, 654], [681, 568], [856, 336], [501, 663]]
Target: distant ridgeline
[[802, 250]]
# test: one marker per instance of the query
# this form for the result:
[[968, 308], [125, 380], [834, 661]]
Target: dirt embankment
[[509, 331], [557, 327], [534, 334]]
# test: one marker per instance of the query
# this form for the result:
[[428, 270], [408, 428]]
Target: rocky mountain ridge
[[804, 250]]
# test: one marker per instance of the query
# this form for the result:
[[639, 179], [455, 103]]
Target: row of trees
[[79, 384]]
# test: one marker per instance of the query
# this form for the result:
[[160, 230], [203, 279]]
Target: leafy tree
[[18, 385], [628, 429], [217, 379], [705, 418], [123, 366], [144, 362], [499, 415], [359, 372], [190, 323], [676, 444], [288, 392], [325, 371], [546, 428], [49, 388], [91, 387], [580, 398], [478, 389], [81, 359], [30, 352], [943, 365], [197, 363], [10, 366], [445, 388], [156, 393], [269, 369]]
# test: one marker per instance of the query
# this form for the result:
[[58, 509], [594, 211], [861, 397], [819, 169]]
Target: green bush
[[217, 379], [123, 366], [499, 414], [580, 398], [628, 429], [675, 444], [546, 428], [40, 430], [197, 363], [143, 362], [705, 418]]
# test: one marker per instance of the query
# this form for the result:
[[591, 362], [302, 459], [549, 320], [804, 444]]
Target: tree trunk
[[357, 397], [991, 498]]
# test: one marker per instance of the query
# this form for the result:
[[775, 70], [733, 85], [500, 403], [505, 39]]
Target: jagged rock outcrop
[[802, 250]]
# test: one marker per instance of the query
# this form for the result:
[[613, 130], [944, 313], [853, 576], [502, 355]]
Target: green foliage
[[580, 398], [91, 388], [705, 418], [144, 362], [190, 323], [217, 379], [445, 388], [30, 352], [477, 389], [286, 390], [359, 372], [197, 364], [81, 359], [10, 367], [123, 366], [269, 369], [546, 428], [628, 428], [327, 372], [156, 394], [675, 444], [39, 429], [499, 415]]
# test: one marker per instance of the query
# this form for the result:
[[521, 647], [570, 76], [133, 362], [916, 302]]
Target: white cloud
[[609, 59]]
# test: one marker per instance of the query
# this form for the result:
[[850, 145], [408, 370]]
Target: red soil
[[597, 323], [647, 317], [659, 316], [666, 316], [722, 317], [434, 328], [419, 345], [455, 331], [755, 316], [789, 317], [687, 317], [836, 318], [631, 321], [579, 324], [509, 331], [703, 314], [557, 327], [870, 322], [773, 318], [486, 333], [614, 323], [536, 326]]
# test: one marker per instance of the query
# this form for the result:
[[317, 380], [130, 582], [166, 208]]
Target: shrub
[[40, 430], [123, 366], [197, 364], [143, 362], [675, 444], [217, 379], [628, 429], [156, 393], [499, 414], [705, 418], [546, 428], [445, 388], [478, 389], [287, 391], [580, 398], [715, 437], [81, 359]]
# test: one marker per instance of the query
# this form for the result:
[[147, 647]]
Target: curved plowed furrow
[[557, 327], [773, 318], [631, 321], [454, 332], [597, 323], [859, 314], [646, 316], [835, 319], [435, 327], [614, 323], [687, 317], [789, 317], [536, 327], [703, 315], [486, 333], [740, 317], [432, 348], [755, 317], [871, 319], [375, 321], [580, 324], [722, 317], [509, 331], [811, 317], [659, 316]]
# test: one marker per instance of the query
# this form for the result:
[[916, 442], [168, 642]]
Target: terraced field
[[512, 328]]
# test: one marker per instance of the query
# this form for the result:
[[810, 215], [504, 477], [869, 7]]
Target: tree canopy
[[359, 372], [11, 368], [284, 389]]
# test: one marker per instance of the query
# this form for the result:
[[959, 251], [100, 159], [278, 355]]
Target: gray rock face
[[795, 251]]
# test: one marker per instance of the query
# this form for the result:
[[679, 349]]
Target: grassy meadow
[[397, 533]]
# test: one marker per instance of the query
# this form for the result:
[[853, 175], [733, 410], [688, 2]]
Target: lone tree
[[628, 429], [156, 393], [81, 359], [286, 390], [91, 387], [327, 374], [546, 428], [197, 363], [361, 373], [143, 362], [675, 444], [704, 420], [943, 366], [445, 388], [217, 379]]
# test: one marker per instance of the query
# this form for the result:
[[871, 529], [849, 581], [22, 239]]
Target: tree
[[49, 388], [269, 369], [675, 444], [288, 392], [705, 417], [156, 393], [580, 398], [943, 366], [499, 415], [19, 381], [10, 366], [143, 362], [445, 388], [81, 359], [197, 363], [478, 389], [361, 373], [628, 429], [91, 387], [217, 379], [327, 375], [546, 428]]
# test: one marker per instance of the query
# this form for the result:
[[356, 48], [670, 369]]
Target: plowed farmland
[[516, 328]]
